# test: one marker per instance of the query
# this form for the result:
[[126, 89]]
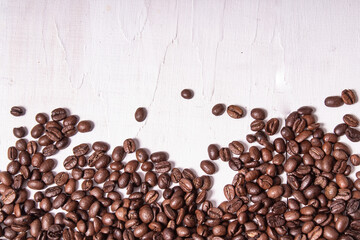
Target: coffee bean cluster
[[130, 193]]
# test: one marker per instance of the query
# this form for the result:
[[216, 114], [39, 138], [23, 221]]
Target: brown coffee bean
[[85, 126], [19, 132], [213, 152], [186, 185], [235, 111], [218, 109], [41, 118], [37, 131], [257, 125], [258, 114], [129, 145], [17, 111], [140, 114], [187, 93], [340, 129], [58, 114], [49, 150], [355, 159], [275, 191], [208, 167], [351, 120], [352, 134], [162, 167], [333, 101], [348, 96], [70, 162], [272, 126], [229, 192]]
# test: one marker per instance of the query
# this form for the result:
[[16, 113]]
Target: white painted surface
[[103, 59]]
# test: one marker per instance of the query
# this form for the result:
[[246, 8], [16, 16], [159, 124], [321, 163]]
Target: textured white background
[[103, 59]]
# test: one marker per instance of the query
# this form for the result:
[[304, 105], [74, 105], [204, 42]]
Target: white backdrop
[[103, 59]]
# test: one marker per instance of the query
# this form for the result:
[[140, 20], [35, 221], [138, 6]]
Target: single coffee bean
[[69, 130], [12, 153], [17, 111], [41, 118], [70, 162], [208, 167], [54, 134], [235, 111], [213, 152], [333, 101], [8, 196], [340, 129], [55, 232], [218, 109], [355, 159], [140, 114], [186, 185], [49, 150], [37, 131], [258, 114], [19, 132], [272, 126], [229, 192], [187, 93], [351, 120], [159, 157], [58, 114], [81, 149], [61, 178], [348, 96], [84, 126], [352, 134], [162, 167], [70, 120], [257, 125], [100, 146], [129, 145]]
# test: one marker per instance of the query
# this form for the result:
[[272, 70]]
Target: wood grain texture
[[103, 59]]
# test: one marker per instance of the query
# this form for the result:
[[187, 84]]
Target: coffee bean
[[55, 232], [49, 150], [275, 191], [58, 114], [140, 114], [348, 96], [37, 131], [218, 109], [162, 167], [187, 93], [351, 120], [208, 167], [41, 118], [54, 134], [19, 132], [70, 162], [186, 185], [85, 126], [158, 157], [352, 134], [17, 111], [129, 145], [340, 129], [333, 101], [355, 159], [229, 192], [258, 114], [257, 125], [272, 126], [235, 111], [213, 152]]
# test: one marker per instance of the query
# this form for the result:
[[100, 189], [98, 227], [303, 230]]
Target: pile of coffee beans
[[104, 195]]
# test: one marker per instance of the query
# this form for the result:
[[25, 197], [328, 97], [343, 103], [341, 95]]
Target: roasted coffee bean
[[69, 130], [162, 167], [49, 150], [351, 120], [348, 96], [272, 126], [207, 166], [187, 93], [258, 114], [218, 109], [225, 154], [257, 125], [352, 134], [58, 114], [17, 111], [37, 131], [213, 152], [186, 185], [355, 159], [70, 162], [41, 118], [129, 145], [81, 149], [118, 154], [84, 126], [61, 178], [340, 129], [333, 101], [235, 111], [19, 132], [100, 146]]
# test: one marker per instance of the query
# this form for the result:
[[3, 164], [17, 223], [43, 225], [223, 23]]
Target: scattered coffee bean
[[187, 93], [84, 126], [348, 96], [17, 111], [208, 167], [258, 114], [140, 114], [351, 120], [235, 111], [333, 101], [218, 109], [19, 132]]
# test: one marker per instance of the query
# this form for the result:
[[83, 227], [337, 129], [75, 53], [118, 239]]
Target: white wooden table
[[103, 59]]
